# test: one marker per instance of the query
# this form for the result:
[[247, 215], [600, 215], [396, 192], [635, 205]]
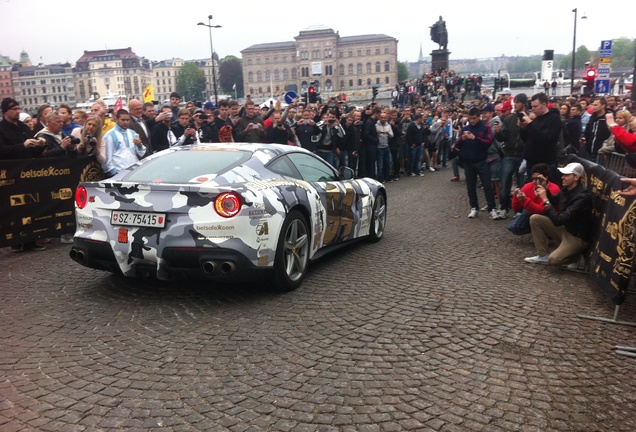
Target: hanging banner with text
[[611, 253], [37, 196]]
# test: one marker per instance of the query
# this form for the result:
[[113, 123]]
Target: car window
[[312, 168], [183, 165], [283, 166]]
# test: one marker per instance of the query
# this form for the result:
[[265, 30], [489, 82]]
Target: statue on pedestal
[[439, 35]]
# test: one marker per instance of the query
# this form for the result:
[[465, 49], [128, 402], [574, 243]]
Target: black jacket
[[541, 137], [12, 138], [575, 211], [370, 133]]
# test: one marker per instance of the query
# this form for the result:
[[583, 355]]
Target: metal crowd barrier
[[617, 162]]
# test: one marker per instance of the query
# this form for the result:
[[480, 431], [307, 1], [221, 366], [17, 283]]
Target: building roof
[[271, 46], [341, 40], [121, 53]]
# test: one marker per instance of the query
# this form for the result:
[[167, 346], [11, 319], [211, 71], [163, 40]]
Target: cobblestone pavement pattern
[[439, 327]]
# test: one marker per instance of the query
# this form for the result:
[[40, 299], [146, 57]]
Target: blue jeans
[[509, 169], [481, 169], [416, 159], [384, 163], [326, 155]]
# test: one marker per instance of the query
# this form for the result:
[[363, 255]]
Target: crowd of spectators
[[438, 121]]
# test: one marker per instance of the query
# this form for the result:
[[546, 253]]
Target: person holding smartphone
[[526, 202], [566, 218]]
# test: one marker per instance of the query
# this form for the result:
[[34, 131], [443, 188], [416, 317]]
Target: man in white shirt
[[123, 146]]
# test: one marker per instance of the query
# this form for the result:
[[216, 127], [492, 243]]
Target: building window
[[266, 60], [340, 54], [259, 76], [368, 51], [258, 60], [294, 74], [386, 50], [359, 53], [386, 80], [350, 53], [276, 75], [350, 69], [284, 59], [359, 82], [250, 77], [249, 62], [341, 70], [285, 74], [368, 67], [368, 81], [377, 51], [377, 80], [275, 59], [378, 68], [387, 66], [328, 53], [359, 68]]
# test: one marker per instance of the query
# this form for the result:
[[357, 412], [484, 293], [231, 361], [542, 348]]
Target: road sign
[[290, 96], [605, 53], [606, 45], [602, 86], [603, 70]]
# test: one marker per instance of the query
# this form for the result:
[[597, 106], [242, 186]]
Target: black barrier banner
[[37, 196], [611, 254]]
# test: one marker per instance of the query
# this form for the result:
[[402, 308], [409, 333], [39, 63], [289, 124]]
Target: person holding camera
[[541, 134], [91, 143], [525, 201], [331, 134], [206, 130], [56, 143], [250, 127], [566, 218], [278, 131]]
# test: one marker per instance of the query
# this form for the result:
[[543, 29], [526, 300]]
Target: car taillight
[[81, 197], [227, 204]]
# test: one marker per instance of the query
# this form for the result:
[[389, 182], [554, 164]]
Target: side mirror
[[346, 173]]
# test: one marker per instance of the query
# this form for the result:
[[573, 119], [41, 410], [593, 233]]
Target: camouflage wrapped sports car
[[226, 213]]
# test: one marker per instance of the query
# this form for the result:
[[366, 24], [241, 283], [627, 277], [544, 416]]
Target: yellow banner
[[149, 94]]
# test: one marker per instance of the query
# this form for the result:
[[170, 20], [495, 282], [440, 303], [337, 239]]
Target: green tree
[[231, 73], [403, 71], [623, 52], [191, 81]]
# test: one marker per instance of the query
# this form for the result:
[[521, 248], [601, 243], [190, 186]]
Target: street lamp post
[[210, 27], [575, 10]]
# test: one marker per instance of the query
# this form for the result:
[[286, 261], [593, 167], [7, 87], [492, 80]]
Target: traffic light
[[375, 92], [590, 76], [311, 94]]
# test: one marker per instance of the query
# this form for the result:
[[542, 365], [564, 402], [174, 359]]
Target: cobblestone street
[[439, 327]]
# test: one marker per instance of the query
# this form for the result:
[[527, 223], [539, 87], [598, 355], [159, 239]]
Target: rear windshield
[[185, 166]]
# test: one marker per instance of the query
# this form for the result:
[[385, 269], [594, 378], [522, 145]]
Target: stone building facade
[[320, 56], [112, 71], [43, 84]]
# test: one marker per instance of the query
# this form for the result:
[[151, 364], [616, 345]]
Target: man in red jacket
[[525, 201]]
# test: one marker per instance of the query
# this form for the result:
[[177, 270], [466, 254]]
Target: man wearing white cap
[[569, 225]]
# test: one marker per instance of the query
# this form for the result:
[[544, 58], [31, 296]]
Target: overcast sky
[[53, 32]]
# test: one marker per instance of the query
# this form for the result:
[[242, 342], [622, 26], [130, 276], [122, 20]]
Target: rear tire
[[292, 253], [378, 219]]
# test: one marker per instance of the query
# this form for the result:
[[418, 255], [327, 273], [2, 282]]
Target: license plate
[[152, 220]]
